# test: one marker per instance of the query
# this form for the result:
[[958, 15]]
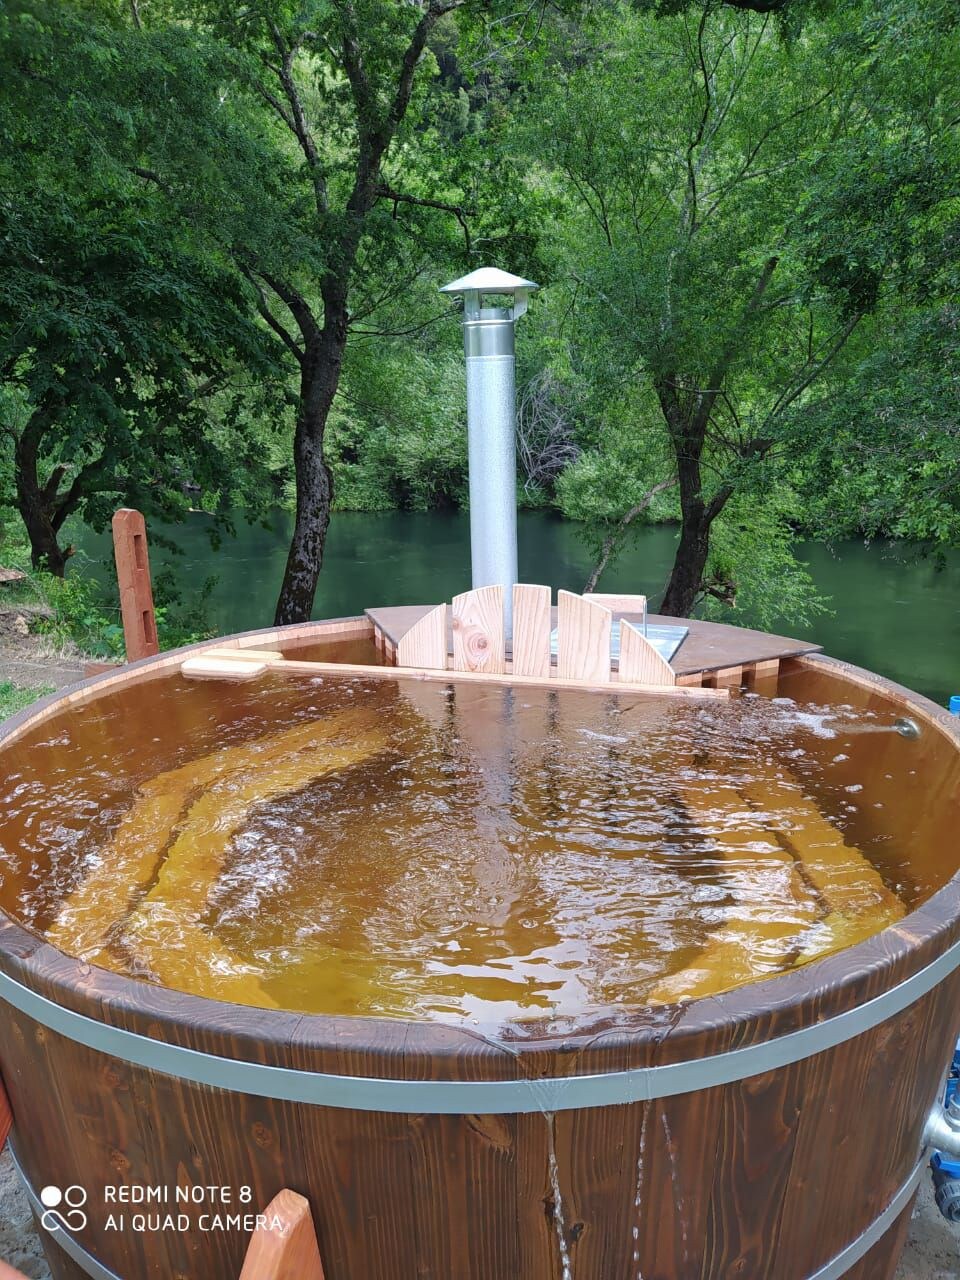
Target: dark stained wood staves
[[766, 1178]]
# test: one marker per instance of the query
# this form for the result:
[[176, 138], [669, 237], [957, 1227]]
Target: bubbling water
[[482, 855]]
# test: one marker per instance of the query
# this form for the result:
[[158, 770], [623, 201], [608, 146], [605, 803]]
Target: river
[[892, 612]]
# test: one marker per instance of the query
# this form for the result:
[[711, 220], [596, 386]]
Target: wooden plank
[[726, 678], [295, 667], [478, 630], [6, 1116], [216, 667], [693, 681], [709, 646], [762, 675], [99, 668], [266, 656], [425, 644], [618, 602], [133, 578], [285, 1247], [531, 630], [640, 661], [583, 638]]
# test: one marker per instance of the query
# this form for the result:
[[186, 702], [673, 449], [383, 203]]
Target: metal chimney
[[488, 333]]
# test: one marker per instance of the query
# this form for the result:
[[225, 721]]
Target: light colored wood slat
[[300, 667], [218, 668], [425, 644], [245, 655], [478, 631], [285, 1246], [692, 680], [762, 675], [583, 638], [619, 603], [531, 630], [640, 661], [726, 678], [749, 944]]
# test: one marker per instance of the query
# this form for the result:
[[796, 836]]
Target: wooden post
[[286, 1247], [133, 577]]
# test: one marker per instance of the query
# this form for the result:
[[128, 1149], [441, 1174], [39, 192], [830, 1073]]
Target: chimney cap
[[489, 280]]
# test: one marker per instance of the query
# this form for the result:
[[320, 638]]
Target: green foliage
[[78, 613], [753, 577], [730, 211], [124, 328], [14, 698], [746, 217], [396, 437]]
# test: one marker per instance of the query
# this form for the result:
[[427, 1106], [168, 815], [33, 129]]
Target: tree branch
[[83, 484], [613, 540], [263, 307], [788, 398], [459, 212], [296, 304], [297, 120], [151, 175], [722, 367]]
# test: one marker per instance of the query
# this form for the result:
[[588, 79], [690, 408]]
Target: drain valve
[[942, 1129]]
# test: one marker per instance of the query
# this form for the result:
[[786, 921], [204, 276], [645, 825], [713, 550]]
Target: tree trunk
[[319, 377], [686, 577], [35, 507]]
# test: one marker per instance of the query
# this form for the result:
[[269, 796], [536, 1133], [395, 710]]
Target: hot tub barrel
[[773, 1131]]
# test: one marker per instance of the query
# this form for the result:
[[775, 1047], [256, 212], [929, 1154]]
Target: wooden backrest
[[285, 1248], [584, 629]]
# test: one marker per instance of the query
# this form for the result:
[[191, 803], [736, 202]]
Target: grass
[[12, 698]]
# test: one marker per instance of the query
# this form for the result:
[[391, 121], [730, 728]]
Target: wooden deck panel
[[710, 646]]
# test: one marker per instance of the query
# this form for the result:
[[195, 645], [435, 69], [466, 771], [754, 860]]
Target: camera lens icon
[[71, 1216]]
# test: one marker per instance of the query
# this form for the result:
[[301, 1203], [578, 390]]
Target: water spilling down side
[[477, 855]]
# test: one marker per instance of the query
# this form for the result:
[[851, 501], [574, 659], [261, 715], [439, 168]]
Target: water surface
[[472, 854]]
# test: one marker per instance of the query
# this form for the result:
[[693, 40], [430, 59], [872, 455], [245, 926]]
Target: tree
[[347, 83], [119, 321], [735, 205]]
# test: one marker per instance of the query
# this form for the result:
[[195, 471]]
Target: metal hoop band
[[478, 1097]]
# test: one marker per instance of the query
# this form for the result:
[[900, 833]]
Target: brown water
[[462, 853]]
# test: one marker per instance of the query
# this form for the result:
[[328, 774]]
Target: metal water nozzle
[[906, 727]]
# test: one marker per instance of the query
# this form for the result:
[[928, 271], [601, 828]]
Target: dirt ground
[[30, 660], [932, 1252]]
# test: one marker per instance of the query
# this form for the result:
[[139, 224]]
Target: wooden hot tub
[[773, 1131]]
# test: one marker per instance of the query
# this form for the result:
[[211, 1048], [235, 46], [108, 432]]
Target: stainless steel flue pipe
[[488, 340]]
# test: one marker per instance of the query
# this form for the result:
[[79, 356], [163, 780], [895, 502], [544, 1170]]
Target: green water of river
[[893, 613]]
